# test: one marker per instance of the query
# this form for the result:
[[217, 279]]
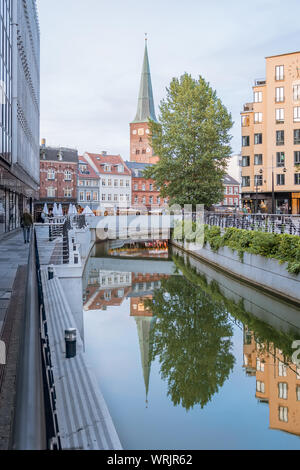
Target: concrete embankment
[[258, 271]]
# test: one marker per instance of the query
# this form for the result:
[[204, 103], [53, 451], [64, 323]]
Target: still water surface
[[188, 358]]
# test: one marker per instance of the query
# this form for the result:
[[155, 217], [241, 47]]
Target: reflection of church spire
[[144, 327]]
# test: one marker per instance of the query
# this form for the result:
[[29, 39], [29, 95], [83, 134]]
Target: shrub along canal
[[186, 357]]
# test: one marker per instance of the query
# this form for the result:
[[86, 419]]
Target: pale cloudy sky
[[92, 52]]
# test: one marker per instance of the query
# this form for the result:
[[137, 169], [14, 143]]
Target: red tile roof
[[91, 174], [113, 160]]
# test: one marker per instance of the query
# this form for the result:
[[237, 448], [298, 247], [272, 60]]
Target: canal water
[[187, 357]]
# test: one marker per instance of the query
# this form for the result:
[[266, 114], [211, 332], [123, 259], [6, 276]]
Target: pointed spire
[[145, 108], [144, 327]]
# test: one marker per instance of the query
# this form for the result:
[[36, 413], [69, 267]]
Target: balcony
[[260, 82]]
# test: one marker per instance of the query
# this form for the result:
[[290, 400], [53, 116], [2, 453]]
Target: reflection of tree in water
[[192, 340]]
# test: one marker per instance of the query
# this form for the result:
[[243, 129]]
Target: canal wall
[[257, 270], [280, 314]]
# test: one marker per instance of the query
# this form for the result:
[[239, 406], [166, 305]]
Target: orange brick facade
[[140, 148]]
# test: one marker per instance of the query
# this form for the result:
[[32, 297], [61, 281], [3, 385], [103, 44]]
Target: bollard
[[70, 340], [50, 273]]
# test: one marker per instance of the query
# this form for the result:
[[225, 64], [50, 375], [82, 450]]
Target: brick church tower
[[140, 148]]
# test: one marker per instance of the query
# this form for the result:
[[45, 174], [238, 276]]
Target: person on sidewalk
[[26, 224]]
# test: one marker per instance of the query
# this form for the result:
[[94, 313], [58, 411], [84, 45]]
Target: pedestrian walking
[[26, 224]]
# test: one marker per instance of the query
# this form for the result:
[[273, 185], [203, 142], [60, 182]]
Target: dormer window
[[107, 168], [121, 169], [60, 155]]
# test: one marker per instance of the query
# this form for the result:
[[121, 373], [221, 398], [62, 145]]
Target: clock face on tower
[[294, 69]]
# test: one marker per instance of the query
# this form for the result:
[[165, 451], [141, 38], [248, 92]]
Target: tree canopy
[[193, 142], [192, 341]]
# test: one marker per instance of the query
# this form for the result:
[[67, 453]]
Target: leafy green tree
[[193, 142], [192, 340]]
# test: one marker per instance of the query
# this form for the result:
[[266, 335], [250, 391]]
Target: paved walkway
[[13, 253]]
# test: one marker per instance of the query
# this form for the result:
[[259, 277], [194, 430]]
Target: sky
[[92, 54]]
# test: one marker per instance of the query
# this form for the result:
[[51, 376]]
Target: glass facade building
[[19, 110]]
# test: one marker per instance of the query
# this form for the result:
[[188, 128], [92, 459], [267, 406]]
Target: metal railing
[[35, 424], [271, 223]]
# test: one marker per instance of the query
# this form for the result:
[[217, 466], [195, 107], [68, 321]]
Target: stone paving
[[13, 253]]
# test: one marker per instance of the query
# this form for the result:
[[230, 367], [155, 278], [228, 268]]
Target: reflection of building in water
[[277, 383], [143, 287], [106, 288]]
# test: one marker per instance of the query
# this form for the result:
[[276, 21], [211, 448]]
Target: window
[[68, 175], [283, 414], [296, 136], [136, 187], [121, 183], [297, 158], [245, 161], [127, 183], [282, 372], [260, 386], [279, 72], [68, 192], [258, 117], [116, 182], [296, 92], [230, 190], [144, 200], [51, 174], [245, 121], [279, 94], [258, 180], [158, 200], [245, 181], [88, 196], [109, 197], [298, 392], [51, 192], [236, 190], [81, 196], [297, 178], [279, 115], [151, 200], [297, 114], [260, 366], [137, 152], [103, 197], [245, 141], [81, 183], [258, 159], [95, 196], [280, 180], [150, 187], [280, 159], [115, 197], [136, 199], [257, 97], [103, 182], [109, 183], [279, 137], [257, 139], [144, 187], [283, 390], [230, 201], [107, 168], [120, 169]]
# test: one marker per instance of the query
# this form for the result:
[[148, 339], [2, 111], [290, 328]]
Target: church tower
[[140, 148]]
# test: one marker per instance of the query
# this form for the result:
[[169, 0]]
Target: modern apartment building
[[19, 109], [271, 138]]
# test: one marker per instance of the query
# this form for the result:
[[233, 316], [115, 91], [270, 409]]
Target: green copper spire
[[145, 110]]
